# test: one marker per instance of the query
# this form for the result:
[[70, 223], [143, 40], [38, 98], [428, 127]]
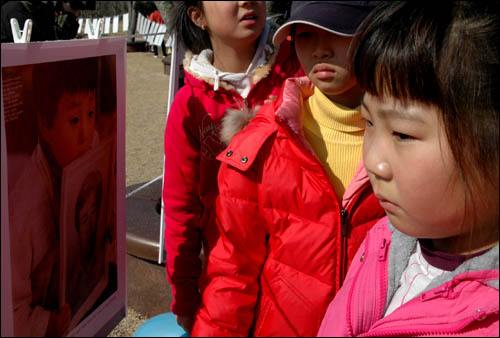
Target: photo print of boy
[[56, 120]]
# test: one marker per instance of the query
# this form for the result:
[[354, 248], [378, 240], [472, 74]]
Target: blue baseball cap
[[337, 17]]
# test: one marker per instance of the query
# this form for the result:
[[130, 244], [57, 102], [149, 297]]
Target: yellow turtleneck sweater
[[335, 133]]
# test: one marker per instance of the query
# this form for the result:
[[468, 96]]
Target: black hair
[[51, 80], [193, 37], [446, 54]]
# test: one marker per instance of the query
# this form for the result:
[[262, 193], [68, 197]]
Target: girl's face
[[73, 130], [324, 58], [412, 169], [232, 22]]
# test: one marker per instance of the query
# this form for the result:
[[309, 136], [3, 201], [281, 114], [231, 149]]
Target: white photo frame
[[19, 138]]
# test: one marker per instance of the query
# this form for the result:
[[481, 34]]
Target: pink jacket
[[192, 142], [463, 302]]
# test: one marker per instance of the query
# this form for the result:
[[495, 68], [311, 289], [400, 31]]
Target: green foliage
[[106, 8], [145, 7]]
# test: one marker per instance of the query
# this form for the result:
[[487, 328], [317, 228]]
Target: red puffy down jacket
[[285, 242], [190, 179]]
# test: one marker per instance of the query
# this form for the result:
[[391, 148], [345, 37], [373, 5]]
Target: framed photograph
[[63, 187]]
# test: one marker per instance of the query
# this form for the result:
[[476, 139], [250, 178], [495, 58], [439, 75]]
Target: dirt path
[[147, 90]]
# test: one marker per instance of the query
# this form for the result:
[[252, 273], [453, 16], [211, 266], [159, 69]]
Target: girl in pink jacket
[[432, 79], [230, 64]]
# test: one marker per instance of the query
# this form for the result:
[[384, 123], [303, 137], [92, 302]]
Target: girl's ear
[[196, 16]]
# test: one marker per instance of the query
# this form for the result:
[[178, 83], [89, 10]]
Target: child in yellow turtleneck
[[332, 115]]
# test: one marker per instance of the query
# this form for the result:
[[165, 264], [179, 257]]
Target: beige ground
[[129, 324], [147, 90]]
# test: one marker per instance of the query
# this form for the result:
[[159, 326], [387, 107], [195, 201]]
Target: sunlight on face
[[411, 167], [234, 20]]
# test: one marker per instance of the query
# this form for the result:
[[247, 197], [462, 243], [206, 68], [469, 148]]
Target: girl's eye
[[402, 137], [368, 122], [74, 120], [91, 113]]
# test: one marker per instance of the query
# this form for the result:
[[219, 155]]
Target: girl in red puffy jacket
[[230, 64], [295, 201]]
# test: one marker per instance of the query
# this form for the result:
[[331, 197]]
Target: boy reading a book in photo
[[65, 108]]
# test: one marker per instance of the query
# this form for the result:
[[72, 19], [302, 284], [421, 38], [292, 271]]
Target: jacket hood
[[259, 73], [288, 108]]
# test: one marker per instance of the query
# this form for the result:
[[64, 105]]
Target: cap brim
[[285, 29]]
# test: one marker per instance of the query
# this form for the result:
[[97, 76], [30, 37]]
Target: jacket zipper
[[343, 232], [349, 320], [399, 333], [343, 228], [344, 222]]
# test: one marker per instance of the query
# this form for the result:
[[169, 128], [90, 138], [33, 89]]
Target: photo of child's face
[[87, 218], [73, 130]]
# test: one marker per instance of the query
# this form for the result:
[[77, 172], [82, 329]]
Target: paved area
[[147, 86]]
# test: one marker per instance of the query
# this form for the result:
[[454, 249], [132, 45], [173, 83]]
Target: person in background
[[66, 13], [52, 20], [155, 16], [229, 64], [40, 12], [430, 268], [295, 200]]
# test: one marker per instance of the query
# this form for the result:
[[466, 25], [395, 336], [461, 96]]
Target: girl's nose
[[382, 170], [321, 53], [374, 160], [245, 3], [322, 50]]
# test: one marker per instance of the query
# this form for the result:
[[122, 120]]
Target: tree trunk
[[132, 23]]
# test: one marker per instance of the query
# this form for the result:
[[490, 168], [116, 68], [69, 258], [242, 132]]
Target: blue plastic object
[[163, 325]]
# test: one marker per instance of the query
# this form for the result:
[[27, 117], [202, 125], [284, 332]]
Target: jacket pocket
[[296, 309], [297, 302]]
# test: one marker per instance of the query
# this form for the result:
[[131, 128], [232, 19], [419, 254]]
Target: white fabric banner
[[125, 22], [116, 18], [87, 26], [80, 25], [107, 22]]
